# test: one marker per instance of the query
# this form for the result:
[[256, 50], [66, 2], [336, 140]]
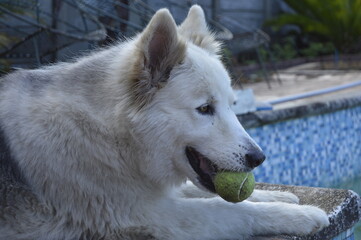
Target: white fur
[[98, 164]]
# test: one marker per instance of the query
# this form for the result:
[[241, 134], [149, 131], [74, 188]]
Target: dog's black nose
[[254, 158]]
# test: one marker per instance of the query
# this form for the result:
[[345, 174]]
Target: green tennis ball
[[234, 186]]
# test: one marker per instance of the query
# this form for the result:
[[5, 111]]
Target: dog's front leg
[[189, 190], [216, 219], [273, 196]]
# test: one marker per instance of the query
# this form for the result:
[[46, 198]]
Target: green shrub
[[337, 21], [280, 51], [318, 49]]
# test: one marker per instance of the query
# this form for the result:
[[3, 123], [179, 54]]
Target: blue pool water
[[320, 151]]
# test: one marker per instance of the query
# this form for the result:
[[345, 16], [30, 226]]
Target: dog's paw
[[273, 196], [284, 218], [311, 220]]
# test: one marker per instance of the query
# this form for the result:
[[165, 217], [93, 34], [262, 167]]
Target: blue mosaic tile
[[318, 151]]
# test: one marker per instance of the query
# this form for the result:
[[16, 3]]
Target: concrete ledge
[[343, 208], [256, 119]]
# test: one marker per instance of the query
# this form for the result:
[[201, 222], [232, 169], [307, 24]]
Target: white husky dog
[[99, 148]]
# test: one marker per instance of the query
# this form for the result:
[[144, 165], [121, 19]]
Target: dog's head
[[181, 100]]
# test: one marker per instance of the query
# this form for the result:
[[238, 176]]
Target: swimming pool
[[319, 151], [315, 145]]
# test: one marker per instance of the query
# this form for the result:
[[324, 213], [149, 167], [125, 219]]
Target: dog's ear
[[161, 47], [158, 50], [194, 28]]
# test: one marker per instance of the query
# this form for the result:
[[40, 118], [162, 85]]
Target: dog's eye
[[206, 109]]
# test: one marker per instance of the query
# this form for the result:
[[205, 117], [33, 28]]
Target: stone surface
[[342, 206], [256, 119]]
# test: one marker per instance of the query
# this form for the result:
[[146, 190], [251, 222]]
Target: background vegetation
[[336, 21]]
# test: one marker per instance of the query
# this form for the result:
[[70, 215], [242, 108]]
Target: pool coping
[[342, 206], [260, 118]]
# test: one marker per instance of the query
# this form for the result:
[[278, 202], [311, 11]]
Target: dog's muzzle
[[206, 169]]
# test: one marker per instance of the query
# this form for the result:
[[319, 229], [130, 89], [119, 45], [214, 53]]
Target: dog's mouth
[[205, 169]]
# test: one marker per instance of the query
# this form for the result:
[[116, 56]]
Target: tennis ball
[[234, 186]]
